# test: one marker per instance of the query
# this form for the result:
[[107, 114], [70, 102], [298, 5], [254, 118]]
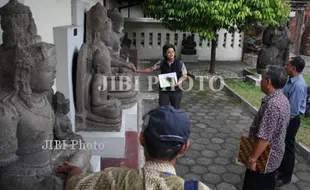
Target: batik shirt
[[153, 176], [270, 124]]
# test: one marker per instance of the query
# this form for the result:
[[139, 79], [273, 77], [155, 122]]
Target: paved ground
[[217, 124]]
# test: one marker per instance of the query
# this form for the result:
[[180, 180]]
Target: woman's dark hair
[[166, 47]]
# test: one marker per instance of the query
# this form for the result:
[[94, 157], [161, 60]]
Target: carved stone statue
[[119, 65], [18, 28], [28, 155], [275, 50], [95, 110], [63, 126], [282, 42], [126, 43], [269, 52], [189, 46], [27, 122]]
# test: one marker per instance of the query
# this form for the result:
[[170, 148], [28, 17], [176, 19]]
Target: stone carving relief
[[275, 49], [95, 109], [120, 66], [125, 47], [189, 46], [28, 123]]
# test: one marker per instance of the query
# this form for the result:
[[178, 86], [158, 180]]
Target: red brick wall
[[305, 41]]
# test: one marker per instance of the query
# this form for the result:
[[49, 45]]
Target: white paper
[[167, 80]]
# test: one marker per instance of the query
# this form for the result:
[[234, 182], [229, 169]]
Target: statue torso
[[34, 128]]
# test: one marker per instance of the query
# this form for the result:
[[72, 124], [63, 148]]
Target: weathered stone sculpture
[[282, 42], [120, 66], [95, 111], [189, 46], [275, 50], [268, 53], [18, 28], [126, 43], [63, 126], [27, 122], [27, 154]]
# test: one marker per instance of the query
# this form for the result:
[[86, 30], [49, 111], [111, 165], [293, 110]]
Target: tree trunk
[[213, 54]]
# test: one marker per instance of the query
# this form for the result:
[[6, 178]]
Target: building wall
[[49, 14], [148, 37]]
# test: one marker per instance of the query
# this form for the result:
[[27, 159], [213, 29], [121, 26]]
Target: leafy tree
[[206, 17]]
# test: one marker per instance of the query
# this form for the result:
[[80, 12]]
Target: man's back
[[153, 175]]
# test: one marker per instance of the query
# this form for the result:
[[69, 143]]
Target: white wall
[[48, 14], [149, 36]]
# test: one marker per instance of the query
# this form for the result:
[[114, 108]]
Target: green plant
[[254, 96], [206, 17]]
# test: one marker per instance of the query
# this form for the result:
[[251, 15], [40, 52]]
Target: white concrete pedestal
[[95, 162], [114, 142], [255, 79], [189, 58], [250, 58]]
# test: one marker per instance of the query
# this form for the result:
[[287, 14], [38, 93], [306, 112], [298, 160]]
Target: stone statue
[[95, 110], [63, 126], [119, 65], [18, 28], [103, 103], [275, 49], [269, 52], [253, 38], [189, 46], [28, 155], [27, 122], [126, 43], [282, 42]]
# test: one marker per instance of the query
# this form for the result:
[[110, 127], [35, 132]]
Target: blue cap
[[166, 124]]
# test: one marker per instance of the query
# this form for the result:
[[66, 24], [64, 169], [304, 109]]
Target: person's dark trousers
[[288, 162], [172, 98], [258, 181]]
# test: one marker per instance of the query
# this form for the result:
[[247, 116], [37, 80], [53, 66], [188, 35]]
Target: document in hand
[[247, 145], [167, 79]]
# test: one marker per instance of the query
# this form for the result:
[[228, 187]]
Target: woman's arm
[[182, 79], [155, 67], [147, 70]]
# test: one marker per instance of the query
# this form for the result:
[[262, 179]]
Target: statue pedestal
[[95, 162], [189, 58], [250, 58], [114, 142], [254, 79]]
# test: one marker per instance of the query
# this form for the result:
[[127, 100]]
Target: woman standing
[[170, 95]]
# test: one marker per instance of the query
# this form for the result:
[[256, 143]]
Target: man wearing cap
[[164, 136]]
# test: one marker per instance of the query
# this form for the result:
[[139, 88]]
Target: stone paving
[[217, 125], [218, 122]]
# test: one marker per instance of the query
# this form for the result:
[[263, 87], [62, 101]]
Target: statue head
[[117, 20], [35, 69], [60, 103], [268, 36], [18, 25], [99, 26]]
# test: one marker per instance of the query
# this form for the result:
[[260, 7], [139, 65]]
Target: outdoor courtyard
[[218, 122]]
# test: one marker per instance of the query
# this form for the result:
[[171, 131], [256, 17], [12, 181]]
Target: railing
[[148, 37]]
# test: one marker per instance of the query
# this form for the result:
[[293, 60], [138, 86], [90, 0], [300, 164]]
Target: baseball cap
[[166, 126]]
